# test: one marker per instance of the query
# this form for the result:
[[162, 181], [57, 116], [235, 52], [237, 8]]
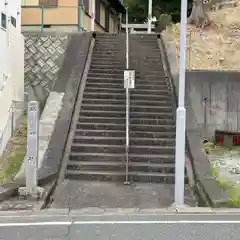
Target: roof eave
[[118, 6]]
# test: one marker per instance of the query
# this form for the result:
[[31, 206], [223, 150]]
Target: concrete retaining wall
[[215, 100], [44, 55], [57, 114]]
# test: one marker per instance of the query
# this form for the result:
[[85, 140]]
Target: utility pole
[[92, 15], [181, 113], [149, 16]]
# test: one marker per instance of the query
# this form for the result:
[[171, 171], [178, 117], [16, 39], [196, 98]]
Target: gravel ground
[[227, 161]]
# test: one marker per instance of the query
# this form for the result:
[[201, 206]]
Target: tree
[[198, 15], [138, 9]]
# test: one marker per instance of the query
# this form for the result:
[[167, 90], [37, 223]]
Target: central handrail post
[[127, 100]]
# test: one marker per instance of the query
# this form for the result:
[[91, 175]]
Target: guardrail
[[53, 16]]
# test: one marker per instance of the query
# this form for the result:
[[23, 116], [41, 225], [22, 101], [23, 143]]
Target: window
[[48, 2], [14, 21], [3, 20]]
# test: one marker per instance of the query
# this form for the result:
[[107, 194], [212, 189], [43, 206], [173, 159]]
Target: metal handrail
[[127, 101]]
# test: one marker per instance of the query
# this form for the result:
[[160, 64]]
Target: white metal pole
[[127, 98], [92, 15], [149, 16], [181, 113], [127, 41]]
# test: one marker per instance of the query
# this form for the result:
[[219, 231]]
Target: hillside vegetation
[[216, 46]]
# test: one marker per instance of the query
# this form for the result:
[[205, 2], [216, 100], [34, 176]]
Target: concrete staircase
[[98, 147]]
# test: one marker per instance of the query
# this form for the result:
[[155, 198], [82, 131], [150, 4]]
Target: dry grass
[[12, 158], [216, 46]]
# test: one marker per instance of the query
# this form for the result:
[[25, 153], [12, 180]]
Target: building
[[11, 65], [69, 15]]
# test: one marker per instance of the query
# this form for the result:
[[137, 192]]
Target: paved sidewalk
[[83, 194]]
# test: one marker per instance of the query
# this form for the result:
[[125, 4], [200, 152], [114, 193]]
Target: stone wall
[[214, 97], [44, 55]]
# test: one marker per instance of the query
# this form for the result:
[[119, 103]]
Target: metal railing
[[127, 100], [51, 16], [14, 113]]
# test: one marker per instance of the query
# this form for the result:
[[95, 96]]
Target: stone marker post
[[32, 147], [31, 165]]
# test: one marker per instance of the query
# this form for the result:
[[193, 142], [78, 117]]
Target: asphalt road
[[167, 226]]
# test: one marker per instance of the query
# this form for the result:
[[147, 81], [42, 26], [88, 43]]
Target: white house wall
[[11, 64]]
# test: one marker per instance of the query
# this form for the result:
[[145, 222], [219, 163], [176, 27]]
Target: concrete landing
[[85, 194]]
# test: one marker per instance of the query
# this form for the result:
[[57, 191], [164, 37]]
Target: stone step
[[108, 49], [145, 93], [106, 71], [100, 126], [105, 75], [120, 176], [119, 80], [107, 60], [111, 148], [101, 148], [152, 128], [122, 133], [145, 150], [146, 63], [132, 127], [104, 90], [118, 166], [120, 85], [133, 96], [105, 85], [122, 141], [121, 157], [139, 95], [139, 115], [104, 41], [133, 108], [149, 134], [96, 84], [107, 55], [103, 133], [122, 120], [105, 66], [97, 113], [132, 102], [99, 140], [102, 61], [156, 60], [150, 85]]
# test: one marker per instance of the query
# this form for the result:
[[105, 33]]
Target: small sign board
[[129, 79], [227, 138]]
